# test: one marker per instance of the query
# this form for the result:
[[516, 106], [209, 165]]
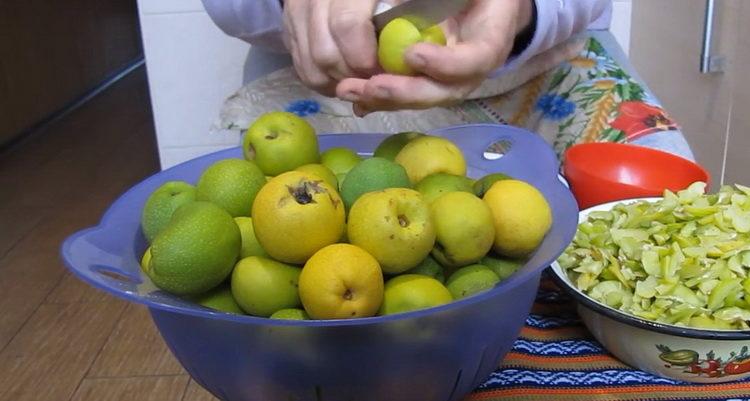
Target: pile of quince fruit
[[287, 232]]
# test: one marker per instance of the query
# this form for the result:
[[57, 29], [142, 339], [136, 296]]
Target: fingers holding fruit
[[298, 24], [440, 65], [350, 25], [466, 61], [483, 37], [330, 40], [402, 88], [396, 39], [396, 92], [324, 50]]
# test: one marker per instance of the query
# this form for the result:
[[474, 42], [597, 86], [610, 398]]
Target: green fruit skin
[[410, 292], [483, 184], [502, 266], [389, 148], [290, 314], [340, 161], [436, 185], [430, 268], [395, 38], [370, 175], [263, 286], [221, 299], [161, 205], [464, 228], [231, 184], [434, 34], [471, 280], [279, 142], [340, 178], [196, 251], [146, 259], [250, 244]]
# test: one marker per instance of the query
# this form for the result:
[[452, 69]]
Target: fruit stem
[[301, 194], [348, 295], [402, 220], [250, 152], [272, 135]]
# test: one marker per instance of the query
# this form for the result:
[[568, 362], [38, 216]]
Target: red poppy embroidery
[[637, 119]]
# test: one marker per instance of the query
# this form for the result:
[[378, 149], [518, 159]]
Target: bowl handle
[[494, 147], [98, 262]]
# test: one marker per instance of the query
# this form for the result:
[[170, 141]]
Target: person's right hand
[[330, 40]]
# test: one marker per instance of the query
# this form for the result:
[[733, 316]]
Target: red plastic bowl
[[603, 172]]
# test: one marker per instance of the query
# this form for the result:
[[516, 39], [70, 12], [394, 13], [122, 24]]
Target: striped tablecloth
[[557, 359]]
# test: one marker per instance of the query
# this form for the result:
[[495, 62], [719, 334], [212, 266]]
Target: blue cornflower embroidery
[[555, 107], [304, 107]]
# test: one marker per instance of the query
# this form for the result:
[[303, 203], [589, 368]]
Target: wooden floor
[[61, 340]]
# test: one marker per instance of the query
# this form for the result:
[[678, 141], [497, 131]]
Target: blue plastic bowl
[[437, 354]]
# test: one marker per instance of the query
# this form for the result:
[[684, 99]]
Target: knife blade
[[422, 13]]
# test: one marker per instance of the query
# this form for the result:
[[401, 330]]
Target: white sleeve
[[258, 22], [558, 20]]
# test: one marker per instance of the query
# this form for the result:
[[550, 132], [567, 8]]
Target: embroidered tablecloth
[[557, 359]]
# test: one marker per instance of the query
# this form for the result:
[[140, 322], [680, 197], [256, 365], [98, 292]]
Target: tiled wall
[[193, 67]]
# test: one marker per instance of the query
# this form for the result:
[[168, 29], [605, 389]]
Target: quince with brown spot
[[295, 215]]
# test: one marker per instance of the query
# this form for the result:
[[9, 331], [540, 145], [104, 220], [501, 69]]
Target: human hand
[[330, 40], [479, 41]]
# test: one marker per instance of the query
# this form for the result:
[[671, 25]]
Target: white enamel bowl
[[674, 352]]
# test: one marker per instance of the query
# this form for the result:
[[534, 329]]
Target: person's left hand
[[479, 41]]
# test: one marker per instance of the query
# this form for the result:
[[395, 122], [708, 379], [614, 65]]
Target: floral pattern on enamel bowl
[[674, 352]]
